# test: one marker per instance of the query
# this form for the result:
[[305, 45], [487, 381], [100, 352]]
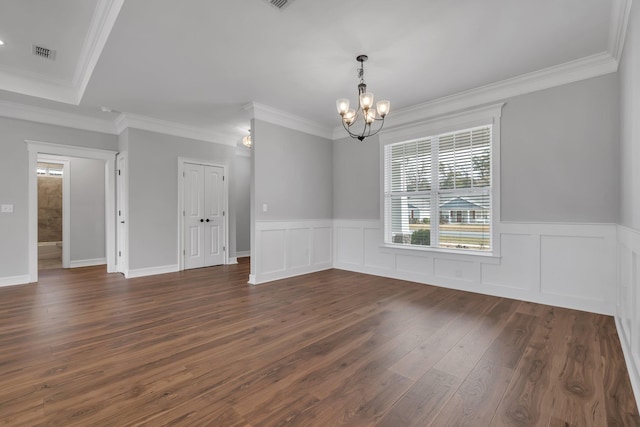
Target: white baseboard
[[243, 254], [14, 280], [150, 271], [232, 260], [285, 274], [87, 262]]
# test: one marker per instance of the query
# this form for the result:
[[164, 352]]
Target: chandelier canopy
[[359, 123]]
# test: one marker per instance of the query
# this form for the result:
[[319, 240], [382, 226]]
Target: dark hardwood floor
[[202, 348]]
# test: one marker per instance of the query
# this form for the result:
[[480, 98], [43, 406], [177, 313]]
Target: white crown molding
[[104, 17], [569, 72], [35, 85], [620, 10], [282, 118], [127, 120], [54, 117]]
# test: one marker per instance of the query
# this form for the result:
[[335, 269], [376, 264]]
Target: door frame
[[36, 148], [122, 204], [225, 206], [66, 204]]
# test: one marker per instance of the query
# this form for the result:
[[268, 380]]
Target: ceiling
[[195, 64]]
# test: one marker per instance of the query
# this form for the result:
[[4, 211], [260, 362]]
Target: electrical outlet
[[6, 208]]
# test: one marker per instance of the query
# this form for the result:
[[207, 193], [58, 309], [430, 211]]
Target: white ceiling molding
[[569, 72], [104, 17], [127, 120], [33, 85], [54, 117], [620, 10], [282, 118]]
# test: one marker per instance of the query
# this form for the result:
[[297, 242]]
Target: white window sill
[[476, 256]]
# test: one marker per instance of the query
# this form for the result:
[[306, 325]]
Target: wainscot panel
[[291, 248], [628, 303], [566, 265]]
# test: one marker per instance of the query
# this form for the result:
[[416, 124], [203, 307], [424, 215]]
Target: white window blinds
[[438, 191]]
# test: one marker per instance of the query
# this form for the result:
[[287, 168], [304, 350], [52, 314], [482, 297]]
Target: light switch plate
[[6, 208], [264, 207]]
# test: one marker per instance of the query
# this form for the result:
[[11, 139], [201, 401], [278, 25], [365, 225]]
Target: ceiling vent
[[43, 52], [278, 4]]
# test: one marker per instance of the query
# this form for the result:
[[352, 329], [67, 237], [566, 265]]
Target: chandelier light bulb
[[343, 105], [371, 115], [383, 107], [366, 100], [350, 116]]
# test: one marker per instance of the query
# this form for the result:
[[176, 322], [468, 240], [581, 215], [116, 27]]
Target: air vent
[[43, 52], [279, 4]]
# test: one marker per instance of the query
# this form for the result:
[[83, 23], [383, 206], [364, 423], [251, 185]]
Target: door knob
[[201, 220], [207, 219]]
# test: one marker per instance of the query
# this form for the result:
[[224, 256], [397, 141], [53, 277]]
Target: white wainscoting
[[566, 265], [628, 303], [291, 248]]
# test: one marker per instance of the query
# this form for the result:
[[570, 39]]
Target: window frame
[[481, 116]]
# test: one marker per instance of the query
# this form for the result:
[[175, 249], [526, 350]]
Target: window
[[438, 191]]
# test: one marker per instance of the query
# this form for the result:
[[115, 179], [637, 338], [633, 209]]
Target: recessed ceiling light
[[1, 42]]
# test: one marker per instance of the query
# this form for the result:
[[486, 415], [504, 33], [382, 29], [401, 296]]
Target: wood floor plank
[[200, 347]]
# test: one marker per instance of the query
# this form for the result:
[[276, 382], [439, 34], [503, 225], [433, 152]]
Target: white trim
[[620, 10], [122, 203], [568, 72], [233, 260], [225, 170], [151, 271], [104, 17], [87, 262], [66, 204], [628, 302], [634, 375], [243, 254], [14, 280], [35, 148], [282, 118], [127, 120], [53, 117]]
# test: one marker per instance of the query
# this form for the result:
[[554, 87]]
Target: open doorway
[[88, 211], [53, 192]]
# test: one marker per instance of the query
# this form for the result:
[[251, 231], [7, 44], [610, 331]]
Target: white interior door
[[214, 215], [203, 216]]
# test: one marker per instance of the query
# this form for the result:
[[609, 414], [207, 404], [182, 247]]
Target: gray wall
[[87, 216], [243, 207], [560, 154], [293, 174], [630, 124], [153, 193], [356, 178], [559, 158], [14, 169]]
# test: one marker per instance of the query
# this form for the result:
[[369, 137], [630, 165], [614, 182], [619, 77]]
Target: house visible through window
[[438, 191]]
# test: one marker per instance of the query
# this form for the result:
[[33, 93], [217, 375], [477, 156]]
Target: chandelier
[[246, 140], [359, 123]]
